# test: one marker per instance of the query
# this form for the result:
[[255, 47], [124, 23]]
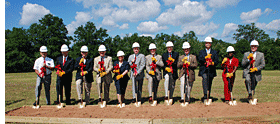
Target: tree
[[91, 37], [250, 32], [51, 32], [18, 51]]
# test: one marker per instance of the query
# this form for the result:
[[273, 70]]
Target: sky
[[215, 18]]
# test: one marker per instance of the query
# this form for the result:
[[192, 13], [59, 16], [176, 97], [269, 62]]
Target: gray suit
[[140, 62], [259, 64], [158, 74]]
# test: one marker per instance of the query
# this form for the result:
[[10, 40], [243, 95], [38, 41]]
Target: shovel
[[82, 104], [154, 89], [170, 101], [208, 101], [187, 81], [60, 105], [37, 106], [253, 101], [232, 102], [137, 104], [101, 104]]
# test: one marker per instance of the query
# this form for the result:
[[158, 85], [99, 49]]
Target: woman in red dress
[[229, 65]]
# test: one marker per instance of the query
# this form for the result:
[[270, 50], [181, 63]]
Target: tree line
[[22, 45]]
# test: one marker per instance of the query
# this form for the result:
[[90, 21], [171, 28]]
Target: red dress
[[234, 63]]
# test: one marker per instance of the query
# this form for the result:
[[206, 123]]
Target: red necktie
[[135, 58], [64, 61]]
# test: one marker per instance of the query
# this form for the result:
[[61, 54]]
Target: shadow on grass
[[13, 102]]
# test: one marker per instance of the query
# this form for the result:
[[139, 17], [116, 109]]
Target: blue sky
[[216, 18]]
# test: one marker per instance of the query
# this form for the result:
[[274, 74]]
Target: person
[[253, 62], [43, 67], [103, 65], [229, 66], [137, 64], [153, 68], [170, 60], [64, 67], [121, 77], [187, 63], [84, 75], [208, 60]]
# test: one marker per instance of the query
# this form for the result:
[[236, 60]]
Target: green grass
[[20, 89]]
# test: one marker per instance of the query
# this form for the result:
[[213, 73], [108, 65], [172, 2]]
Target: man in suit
[[65, 67], [211, 69], [151, 71], [137, 73], [186, 61], [43, 67], [252, 66], [169, 56], [103, 65], [84, 66]]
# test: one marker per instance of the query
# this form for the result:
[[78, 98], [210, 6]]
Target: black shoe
[[133, 100], [250, 97], [227, 102], [165, 98], [99, 100], [34, 104], [150, 100], [181, 101]]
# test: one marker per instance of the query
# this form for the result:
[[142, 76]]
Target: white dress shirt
[[39, 64]]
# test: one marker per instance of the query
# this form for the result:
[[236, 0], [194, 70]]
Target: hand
[[133, 60], [168, 69], [250, 56], [61, 73], [84, 73], [208, 56], [152, 72], [253, 70], [82, 60], [135, 74], [171, 59], [119, 76], [229, 75], [116, 71], [154, 59], [102, 74], [44, 64], [224, 60]]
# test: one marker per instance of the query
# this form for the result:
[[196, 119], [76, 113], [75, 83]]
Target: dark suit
[[171, 86], [203, 70], [121, 84], [66, 79], [88, 68]]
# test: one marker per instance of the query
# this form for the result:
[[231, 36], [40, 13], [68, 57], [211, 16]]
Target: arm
[[71, 67], [262, 62], [142, 64], [148, 67], [57, 63], [194, 63], [159, 62], [90, 69], [95, 65], [180, 63], [245, 61], [201, 58], [77, 66], [130, 60], [216, 59], [110, 65]]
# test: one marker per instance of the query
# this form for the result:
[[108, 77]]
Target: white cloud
[[150, 27], [185, 12], [222, 3], [251, 16], [179, 33], [229, 29], [109, 21], [267, 11], [31, 13], [147, 35], [214, 35], [104, 10], [170, 2], [88, 3], [81, 18], [272, 26], [124, 26], [200, 29]]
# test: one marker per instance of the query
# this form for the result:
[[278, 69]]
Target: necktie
[[135, 58], [170, 55], [64, 60]]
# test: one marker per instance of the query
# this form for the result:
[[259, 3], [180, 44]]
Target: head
[[84, 54], [153, 51], [136, 50], [102, 50], [120, 58], [102, 53], [169, 46], [230, 51], [43, 51], [254, 45], [152, 48], [65, 54], [44, 54], [208, 42], [64, 50], [84, 51], [187, 50], [169, 49], [230, 54], [120, 55], [186, 47]]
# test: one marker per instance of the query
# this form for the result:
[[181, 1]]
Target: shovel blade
[[36, 107], [253, 101], [184, 104], [208, 102], [82, 105], [166, 101], [170, 101], [123, 105], [154, 103], [137, 104], [61, 105]]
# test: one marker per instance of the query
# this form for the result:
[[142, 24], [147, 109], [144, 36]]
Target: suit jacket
[[201, 60], [108, 64], [124, 66], [140, 62], [88, 68], [67, 68], [192, 66], [159, 64], [259, 64], [165, 56]]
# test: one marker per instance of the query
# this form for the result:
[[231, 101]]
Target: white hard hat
[[254, 42], [84, 49], [43, 49], [135, 45], [64, 48], [208, 39], [120, 53], [101, 48], [230, 49], [186, 45], [152, 46], [169, 44]]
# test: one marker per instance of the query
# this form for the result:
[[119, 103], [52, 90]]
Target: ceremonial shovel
[[169, 101], [37, 106], [208, 101], [153, 89], [101, 104], [60, 105], [82, 104], [230, 89], [253, 101], [185, 103], [137, 104]]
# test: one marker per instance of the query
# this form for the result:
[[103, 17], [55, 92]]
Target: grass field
[[20, 89]]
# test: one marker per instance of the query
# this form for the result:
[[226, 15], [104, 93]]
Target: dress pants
[[183, 88], [47, 83], [166, 85], [87, 86]]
